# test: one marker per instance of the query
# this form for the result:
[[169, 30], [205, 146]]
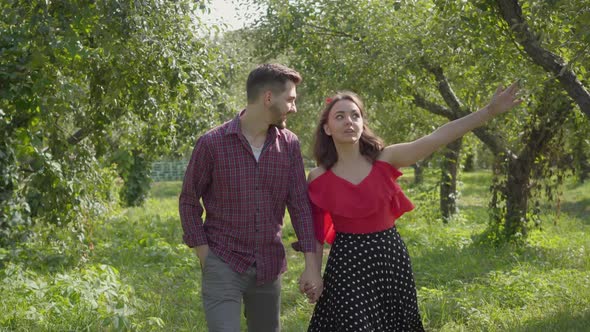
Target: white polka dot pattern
[[368, 286]]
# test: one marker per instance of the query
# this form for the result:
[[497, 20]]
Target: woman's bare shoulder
[[315, 173]]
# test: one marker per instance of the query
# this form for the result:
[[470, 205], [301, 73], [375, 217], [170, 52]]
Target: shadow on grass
[[473, 189], [563, 321], [450, 263], [475, 213], [579, 209]]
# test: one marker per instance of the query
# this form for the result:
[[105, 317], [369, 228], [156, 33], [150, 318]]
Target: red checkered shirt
[[245, 200]]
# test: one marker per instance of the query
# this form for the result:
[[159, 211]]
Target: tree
[[444, 57], [512, 12], [88, 84]]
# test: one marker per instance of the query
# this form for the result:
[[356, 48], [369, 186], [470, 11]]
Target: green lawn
[[139, 275]]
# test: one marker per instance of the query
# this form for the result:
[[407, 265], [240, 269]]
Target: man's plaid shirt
[[245, 200]]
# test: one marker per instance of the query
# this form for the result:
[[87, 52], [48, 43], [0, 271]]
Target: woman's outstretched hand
[[504, 99]]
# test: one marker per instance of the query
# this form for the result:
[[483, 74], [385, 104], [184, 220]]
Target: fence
[[169, 170], [173, 170]]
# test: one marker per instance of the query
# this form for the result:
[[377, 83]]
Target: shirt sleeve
[[196, 181], [298, 203]]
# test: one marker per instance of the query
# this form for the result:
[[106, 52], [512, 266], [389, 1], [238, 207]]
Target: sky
[[224, 11]]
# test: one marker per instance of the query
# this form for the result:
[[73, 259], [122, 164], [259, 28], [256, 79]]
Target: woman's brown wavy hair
[[324, 150]]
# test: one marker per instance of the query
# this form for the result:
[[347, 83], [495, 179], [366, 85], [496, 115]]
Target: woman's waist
[[363, 226]]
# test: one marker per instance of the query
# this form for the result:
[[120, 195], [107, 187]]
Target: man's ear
[[267, 97]]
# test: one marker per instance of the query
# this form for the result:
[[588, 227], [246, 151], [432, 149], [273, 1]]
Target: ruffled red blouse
[[373, 205]]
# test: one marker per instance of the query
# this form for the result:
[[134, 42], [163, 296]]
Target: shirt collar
[[236, 128]]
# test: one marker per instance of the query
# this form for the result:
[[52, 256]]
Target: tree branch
[[431, 107], [512, 13], [445, 89], [79, 135], [494, 142]]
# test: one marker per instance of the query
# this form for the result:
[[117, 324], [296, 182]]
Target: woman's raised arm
[[406, 154]]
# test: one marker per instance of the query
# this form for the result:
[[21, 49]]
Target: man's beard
[[275, 110]]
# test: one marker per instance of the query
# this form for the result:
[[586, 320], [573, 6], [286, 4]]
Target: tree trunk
[[469, 165], [419, 170], [582, 162], [552, 112], [418, 173], [448, 185], [517, 197]]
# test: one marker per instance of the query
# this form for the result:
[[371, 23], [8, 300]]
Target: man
[[246, 171]]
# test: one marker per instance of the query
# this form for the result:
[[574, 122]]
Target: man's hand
[[201, 252]]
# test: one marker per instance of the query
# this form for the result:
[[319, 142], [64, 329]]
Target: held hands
[[504, 99], [311, 284]]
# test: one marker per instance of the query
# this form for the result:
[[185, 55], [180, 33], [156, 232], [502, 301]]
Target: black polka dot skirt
[[368, 286]]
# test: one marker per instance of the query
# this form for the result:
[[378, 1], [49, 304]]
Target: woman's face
[[345, 122]]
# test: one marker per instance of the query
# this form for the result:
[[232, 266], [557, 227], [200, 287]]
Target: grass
[[139, 276]]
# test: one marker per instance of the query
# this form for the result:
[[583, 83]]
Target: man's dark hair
[[269, 76]]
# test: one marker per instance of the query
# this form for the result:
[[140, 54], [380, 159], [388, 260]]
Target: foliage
[[579, 147], [134, 169], [93, 296], [451, 54], [463, 285], [84, 81]]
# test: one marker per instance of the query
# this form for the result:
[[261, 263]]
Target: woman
[[368, 282]]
